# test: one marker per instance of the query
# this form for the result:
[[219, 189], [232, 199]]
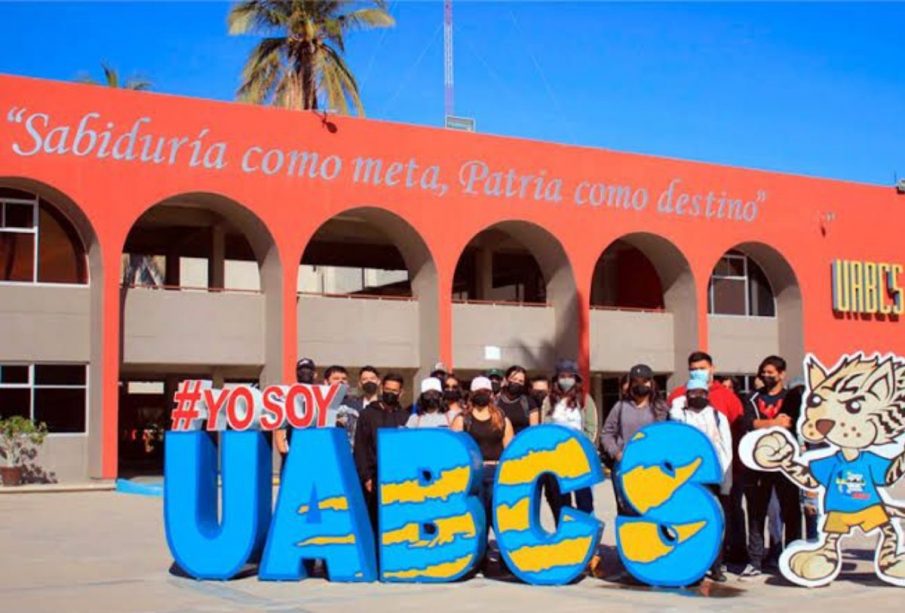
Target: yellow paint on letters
[[641, 541], [514, 517], [567, 460], [537, 558], [648, 486], [348, 539], [435, 571], [337, 503], [448, 528], [453, 481]]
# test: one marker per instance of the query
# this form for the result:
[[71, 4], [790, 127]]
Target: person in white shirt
[[430, 412], [695, 410]]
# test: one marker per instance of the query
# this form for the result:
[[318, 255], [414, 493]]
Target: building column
[[483, 273], [171, 274], [216, 265], [106, 344]]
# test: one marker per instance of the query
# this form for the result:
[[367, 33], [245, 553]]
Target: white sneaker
[[750, 571]]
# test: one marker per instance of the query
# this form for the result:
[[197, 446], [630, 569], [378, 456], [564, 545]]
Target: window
[[738, 286], [55, 394], [37, 243]]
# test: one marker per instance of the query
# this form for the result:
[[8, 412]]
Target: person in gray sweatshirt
[[641, 406]]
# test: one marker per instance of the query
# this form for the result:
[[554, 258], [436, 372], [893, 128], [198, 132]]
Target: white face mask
[[700, 374], [566, 383]]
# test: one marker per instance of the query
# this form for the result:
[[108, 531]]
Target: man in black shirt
[[385, 413], [771, 406]]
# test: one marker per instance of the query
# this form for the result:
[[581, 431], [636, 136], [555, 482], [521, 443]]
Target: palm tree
[[111, 79], [298, 64]]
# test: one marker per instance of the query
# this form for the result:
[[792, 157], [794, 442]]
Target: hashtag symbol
[[186, 399]]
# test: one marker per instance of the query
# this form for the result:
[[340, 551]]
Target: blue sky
[[816, 89]]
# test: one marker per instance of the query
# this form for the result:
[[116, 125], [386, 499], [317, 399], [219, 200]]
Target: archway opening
[[643, 310], [515, 301], [754, 310], [201, 298], [368, 296]]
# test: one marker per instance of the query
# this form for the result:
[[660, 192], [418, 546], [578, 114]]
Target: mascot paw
[[773, 450], [814, 565]]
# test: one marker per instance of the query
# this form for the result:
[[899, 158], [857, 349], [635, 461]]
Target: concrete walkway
[[104, 551]]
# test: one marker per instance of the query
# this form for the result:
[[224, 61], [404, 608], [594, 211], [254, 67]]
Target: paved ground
[[104, 551]]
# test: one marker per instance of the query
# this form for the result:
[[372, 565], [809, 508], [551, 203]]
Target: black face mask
[[698, 402], [429, 402], [495, 386], [769, 382], [390, 399], [515, 389], [369, 388], [480, 400], [640, 390], [453, 395], [539, 397], [304, 375]]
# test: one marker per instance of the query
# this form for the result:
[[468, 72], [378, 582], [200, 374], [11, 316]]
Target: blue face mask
[[700, 374]]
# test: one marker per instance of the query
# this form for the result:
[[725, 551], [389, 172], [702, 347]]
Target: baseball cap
[[431, 384], [480, 383], [566, 366], [641, 371], [696, 384], [305, 363], [493, 372]]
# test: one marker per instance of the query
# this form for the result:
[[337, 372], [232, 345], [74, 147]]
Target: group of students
[[711, 404], [495, 406]]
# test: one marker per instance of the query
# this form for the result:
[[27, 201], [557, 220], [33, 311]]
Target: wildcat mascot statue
[[855, 412]]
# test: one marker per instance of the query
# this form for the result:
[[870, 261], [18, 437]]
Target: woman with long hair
[[490, 429], [453, 397], [516, 402], [568, 405]]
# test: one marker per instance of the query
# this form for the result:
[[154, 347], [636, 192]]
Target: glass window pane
[[15, 401], [63, 410], [729, 296], [59, 374], [61, 257], [19, 216], [17, 256], [13, 373], [760, 292]]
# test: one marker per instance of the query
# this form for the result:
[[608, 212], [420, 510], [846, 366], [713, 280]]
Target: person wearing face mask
[[770, 406], [639, 407], [305, 372], [728, 403], [568, 405], [453, 398], [490, 429], [431, 412], [495, 375], [385, 413], [515, 402], [699, 414], [540, 389]]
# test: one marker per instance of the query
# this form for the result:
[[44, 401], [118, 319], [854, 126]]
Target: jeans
[[758, 488], [715, 568], [623, 507], [736, 537], [551, 492], [486, 492]]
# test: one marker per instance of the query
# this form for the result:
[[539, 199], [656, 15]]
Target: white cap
[[431, 384], [480, 383]]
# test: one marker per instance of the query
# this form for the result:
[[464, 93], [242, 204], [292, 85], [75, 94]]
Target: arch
[[46, 327], [559, 289], [784, 330], [370, 237], [673, 291]]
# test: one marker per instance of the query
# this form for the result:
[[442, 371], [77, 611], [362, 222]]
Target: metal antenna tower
[[448, 83]]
